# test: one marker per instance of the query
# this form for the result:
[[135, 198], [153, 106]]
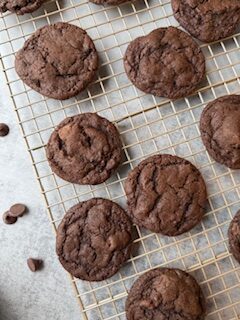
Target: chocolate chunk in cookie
[[58, 61], [84, 149], [20, 7], [220, 130], [166, 62], [234, 236], [208, 20], [166, 194], [165, 294], [94, 239]]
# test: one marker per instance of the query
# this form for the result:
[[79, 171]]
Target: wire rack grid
[[148, 125]]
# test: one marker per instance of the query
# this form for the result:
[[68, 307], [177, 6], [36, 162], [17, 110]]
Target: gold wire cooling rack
[[148, 125]]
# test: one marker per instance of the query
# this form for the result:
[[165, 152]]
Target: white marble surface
[[24, 295]]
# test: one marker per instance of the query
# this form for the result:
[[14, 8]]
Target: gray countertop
[[24, 295]]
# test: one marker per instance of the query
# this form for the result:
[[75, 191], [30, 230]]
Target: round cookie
[[58, 61], [20, 7], [234, 236], [165, 194], [84, 149], [165, 294], [167, 62], [109, 2], [94, 239], [208, 20], [220, 130]]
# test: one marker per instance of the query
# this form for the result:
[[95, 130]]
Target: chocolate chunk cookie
[[166, 62], [165, 294], [234, 236], [220, 130], [84, 149], [110, 2], [94, 239], [208, 20], [58, 61], [20, 7], [165, 194]]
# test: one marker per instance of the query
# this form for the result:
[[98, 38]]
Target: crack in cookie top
[[208, 20], [165, 294], [84, 149], [94, 239], [165, 194], [167, 62], [58, 61]]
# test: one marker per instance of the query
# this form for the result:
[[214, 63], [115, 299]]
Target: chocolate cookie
[[208, 20], [220, 130], [110, 2], [166, 62], [94, 239], [20, 6], [165, 294], [58, 61], [234, 236], [165, 194], [84, 149]]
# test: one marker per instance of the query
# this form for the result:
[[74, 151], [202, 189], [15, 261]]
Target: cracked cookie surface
[[166, 194], [84, 149], [58, 61], [208, 20], [165, 294], [166, 62], [20, 7], [234, 236], [220, 130], [94, 239]]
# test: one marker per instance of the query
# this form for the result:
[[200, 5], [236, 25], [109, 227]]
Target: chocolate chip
[[18, 210], [34, 264], [8, 218], [4, 129]]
